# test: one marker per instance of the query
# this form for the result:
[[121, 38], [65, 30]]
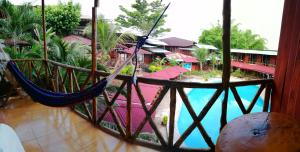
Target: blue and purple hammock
[[58, 99]]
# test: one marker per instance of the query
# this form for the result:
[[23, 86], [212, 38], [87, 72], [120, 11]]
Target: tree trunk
[[201, 66]]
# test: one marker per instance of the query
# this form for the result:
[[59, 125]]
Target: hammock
[[57, 99]]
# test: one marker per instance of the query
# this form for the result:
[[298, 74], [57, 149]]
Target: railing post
[[172, 115], [128, 116], [226, 57], [267, 97], [44, 30], [94, 59]]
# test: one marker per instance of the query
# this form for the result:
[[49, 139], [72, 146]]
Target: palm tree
[[16, 22], [201, 55], [108, 37], [213, 60]]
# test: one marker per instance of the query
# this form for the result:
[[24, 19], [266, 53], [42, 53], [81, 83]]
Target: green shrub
[[238, 73], [206, 74], [63, 18], [164, 120], [127, 70], [154, 68], [172, 62], [148, 137]]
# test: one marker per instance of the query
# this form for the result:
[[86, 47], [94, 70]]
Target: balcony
[[41, 128], [124, 112]]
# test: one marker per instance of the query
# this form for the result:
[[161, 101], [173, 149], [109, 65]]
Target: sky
[[188, 18]]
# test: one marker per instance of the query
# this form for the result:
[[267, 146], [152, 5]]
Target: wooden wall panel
[[286, 96]]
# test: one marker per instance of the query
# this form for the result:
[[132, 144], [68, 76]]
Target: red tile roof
[[122, 46], [184, 58], [137, 116], [131, 50], [178, 42], [80, 39], [167, 74], [254, 67], [149, 93]]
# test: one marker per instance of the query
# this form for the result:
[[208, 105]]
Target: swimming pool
[[211, 122]]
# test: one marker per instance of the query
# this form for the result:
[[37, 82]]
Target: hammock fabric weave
[[55, 99]]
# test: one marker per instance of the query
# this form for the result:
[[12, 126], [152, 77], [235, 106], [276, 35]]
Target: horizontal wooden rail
[[66, 78]]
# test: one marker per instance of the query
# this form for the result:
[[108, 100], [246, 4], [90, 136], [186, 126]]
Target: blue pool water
[[211, 122]]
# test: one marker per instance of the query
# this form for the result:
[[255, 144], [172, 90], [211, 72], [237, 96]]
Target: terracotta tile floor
[[42, 128]]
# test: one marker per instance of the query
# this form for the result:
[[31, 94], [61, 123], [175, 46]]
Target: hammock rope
[[58, 99]]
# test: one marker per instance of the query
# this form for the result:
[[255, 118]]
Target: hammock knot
[[141, 41]]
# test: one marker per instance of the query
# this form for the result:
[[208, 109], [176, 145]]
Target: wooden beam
[[226, 57], [172, 116], [44, 30], [94, 59]]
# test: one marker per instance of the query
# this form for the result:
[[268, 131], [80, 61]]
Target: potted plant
[[164, 121]]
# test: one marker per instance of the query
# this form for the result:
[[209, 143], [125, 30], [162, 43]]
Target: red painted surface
[[147, 59], [259, 59], [167, 74], [184, 58], [246, 58], [149, 92], [132, 49], [253, 67], [273, 60], [195, 67], [185, 52], [286, 93], [113, 54]]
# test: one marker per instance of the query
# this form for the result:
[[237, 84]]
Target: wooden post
[[128, 114], [172, 115], [94, 59], [44, 30], [226, 57]]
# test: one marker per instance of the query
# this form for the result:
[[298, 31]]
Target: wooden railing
[[64, 78]]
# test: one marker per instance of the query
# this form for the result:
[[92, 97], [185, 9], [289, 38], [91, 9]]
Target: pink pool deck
[[149, 92]]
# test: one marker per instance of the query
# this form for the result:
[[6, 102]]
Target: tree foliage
[[16, 22], [142, 16], [201, 55], [108, 37], [63, 18], [240, 39]]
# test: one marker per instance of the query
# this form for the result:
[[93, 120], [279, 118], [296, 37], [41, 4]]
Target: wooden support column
[[44, 30], [226, 57], [172, 116], [94, 59], [128, 114], [286, 93]]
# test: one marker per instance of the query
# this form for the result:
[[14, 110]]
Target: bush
[[63, 18], [154, 68], [148, 137], [128, 70], [238, 73], [164, 120], [172, 62]]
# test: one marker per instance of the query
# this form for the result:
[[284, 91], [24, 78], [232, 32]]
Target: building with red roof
[[79, 39], [175, 43], [261, 61], [189, 62], [254, 67], [178, 42], [144, 57]]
